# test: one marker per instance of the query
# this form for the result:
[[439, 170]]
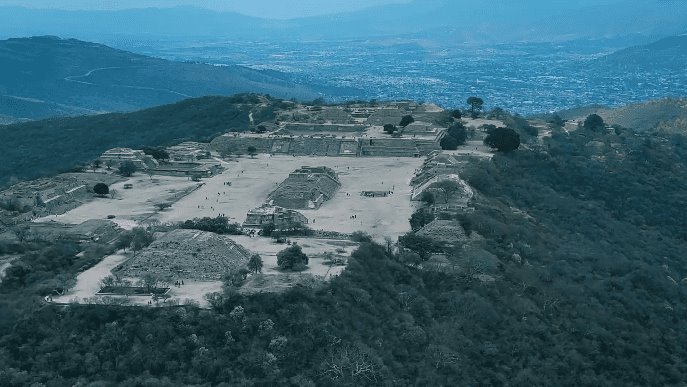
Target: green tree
[[361, 237], [459, 132], [456, 114], [255, 264], [215, 299], [127, 168], [101, 189], [476, 105], [218, 225], [422, 245], [150, 282], [556, 120], [157, 153], [448, 188], [420, 218], [252, 151], [389, 128], [267, 229], [503, 139], [594, 122], [448, 142], [428, 198], [124, 240], [292, 258], [21, 232], [406, 120], [141, 238]]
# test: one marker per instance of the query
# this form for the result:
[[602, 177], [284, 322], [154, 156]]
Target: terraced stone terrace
[[328, 145], [188, 254]]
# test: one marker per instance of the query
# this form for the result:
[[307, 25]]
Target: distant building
[[361, 113], [46, 193], [113, 158], [188, 254], [307, 187], [190, 169], [189, 151], [436, 164], [421, 128], [279, 216]]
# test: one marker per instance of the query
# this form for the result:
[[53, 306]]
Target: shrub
[[361, 237], [503, 139], [406, 120], [218, 225], [449, 143], [292, 258], [594, 122], [101, 189]]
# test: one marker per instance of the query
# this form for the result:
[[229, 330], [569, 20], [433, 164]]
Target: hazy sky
[[264, 8]]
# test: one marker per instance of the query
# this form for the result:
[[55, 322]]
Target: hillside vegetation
[[585, 234], [41, 148], [665, 115], [46, 77]]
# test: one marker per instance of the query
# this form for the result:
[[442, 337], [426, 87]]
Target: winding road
[[76, 78]]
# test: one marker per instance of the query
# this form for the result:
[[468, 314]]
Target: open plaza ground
[[247, 182], [129, 206], [316, 249], [244, 185]]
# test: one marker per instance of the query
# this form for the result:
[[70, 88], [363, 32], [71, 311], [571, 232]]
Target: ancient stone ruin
[[278, 216], [306, 188], [326, 145], [187, 254]]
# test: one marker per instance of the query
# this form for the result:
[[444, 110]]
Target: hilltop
[[48, 76], [563, 256], [669, 53], [665, 115]]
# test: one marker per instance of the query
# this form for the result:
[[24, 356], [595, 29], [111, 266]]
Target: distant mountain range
[[451, 21], [668, 53], [48, 76]]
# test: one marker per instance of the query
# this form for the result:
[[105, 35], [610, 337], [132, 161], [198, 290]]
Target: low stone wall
[[326, 146]]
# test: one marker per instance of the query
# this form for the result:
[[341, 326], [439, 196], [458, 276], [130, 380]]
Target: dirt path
[[75, 78], [72, 78], [88, 282]]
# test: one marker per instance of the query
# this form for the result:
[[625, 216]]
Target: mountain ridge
[[446, 20], [47, 76], [667, 53]]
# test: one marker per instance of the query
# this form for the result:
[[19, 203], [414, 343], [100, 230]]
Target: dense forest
[[589, 232], [43, 148]]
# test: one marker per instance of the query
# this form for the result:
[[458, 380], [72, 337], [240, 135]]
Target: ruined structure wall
[[327, 146]]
